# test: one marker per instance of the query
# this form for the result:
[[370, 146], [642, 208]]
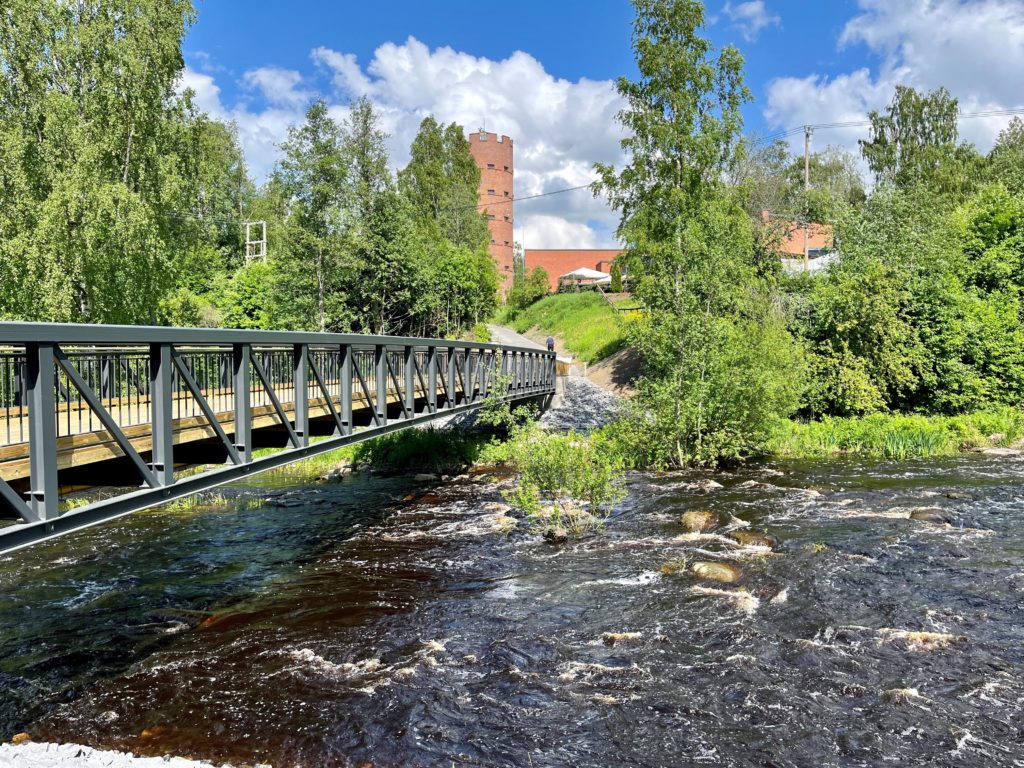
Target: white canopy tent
[[585, 276]]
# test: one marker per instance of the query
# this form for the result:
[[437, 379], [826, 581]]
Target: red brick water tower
[[493, 155]]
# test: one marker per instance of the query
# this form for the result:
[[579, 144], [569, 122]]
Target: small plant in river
[[565, 483], [675, 565]]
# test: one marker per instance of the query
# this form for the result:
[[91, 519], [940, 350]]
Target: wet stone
[[721, 572], [937, 516], [699, 521], [754, 539], [621, 638], [556, 535]]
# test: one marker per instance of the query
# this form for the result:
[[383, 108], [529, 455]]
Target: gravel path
[[506, 336], [33, 755], [584, 406]]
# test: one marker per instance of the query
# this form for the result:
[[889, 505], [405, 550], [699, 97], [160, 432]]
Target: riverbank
[[898, 436], [48, 755]]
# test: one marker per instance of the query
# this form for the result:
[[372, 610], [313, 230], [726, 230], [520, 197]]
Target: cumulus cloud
[[750, 18], [975, 48], [277, 86], [560, 128]]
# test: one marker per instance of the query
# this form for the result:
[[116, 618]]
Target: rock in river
[[723, 572], [698, 521], [926, 515], [754, 539]]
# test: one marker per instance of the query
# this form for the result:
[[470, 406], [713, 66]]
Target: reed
[[897, 436]]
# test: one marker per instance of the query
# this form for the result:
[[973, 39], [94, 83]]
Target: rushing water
[[386, 623]]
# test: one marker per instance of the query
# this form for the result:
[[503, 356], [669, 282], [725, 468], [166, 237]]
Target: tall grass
[[423, 450], [585, 322], [897, 436]]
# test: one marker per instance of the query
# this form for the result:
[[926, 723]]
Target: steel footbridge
[[168, 412]]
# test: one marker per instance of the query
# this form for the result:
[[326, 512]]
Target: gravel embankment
[[584, 406], [42, 755]]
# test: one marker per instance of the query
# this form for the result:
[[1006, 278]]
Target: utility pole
[[807, 188]]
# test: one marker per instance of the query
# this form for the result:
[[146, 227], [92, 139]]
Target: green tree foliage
[[96, 152], [915, 143], [771, 181], [720, 362], [534, 288], [923, 312], [616, 275], [1006, 161], [440, 183], [311, 183]]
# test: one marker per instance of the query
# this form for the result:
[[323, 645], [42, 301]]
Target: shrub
[[423, 450], [565, 482], [481, 333]]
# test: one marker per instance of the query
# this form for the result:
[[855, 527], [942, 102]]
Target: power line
[[786, 133], [515, 199]]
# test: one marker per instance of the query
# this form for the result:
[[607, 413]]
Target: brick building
[[493, 155], [561, 261]]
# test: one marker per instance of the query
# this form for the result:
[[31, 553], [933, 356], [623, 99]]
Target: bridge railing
[[74, 394]]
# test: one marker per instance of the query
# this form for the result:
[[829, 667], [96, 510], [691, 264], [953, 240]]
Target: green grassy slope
[[588, 327]]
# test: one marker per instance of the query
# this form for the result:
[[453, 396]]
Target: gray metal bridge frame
[[465, 380]]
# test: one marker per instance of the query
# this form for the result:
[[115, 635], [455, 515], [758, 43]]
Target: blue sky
[[542, 72]]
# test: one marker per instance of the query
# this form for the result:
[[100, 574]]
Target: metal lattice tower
[[255, 248]]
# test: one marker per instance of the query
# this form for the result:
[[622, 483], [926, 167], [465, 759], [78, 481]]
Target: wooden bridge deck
[[81, 443]]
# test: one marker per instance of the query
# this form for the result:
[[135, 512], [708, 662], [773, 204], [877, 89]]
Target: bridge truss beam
[[135, 389]]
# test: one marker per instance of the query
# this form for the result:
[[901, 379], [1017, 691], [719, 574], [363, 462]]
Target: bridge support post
[[345, 383], [243, 411], [452, 362], [432, 380], [485, 373], [409, 363], [300, 358], [380, 380], [106, 376], [44, 498], [469, 375], [161, 416]]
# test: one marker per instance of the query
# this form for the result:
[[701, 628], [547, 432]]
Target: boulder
[[938, 516], [621, 638], [754, 539], [699, 520], [556, 535], [722, 572]]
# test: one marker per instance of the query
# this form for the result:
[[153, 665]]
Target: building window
[[492, 192], [490, 165], [506, 167], [506, 242], [506, 218], [492, 242], [506, 193], [490, 217]]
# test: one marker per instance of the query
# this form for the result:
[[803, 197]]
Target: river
[[386, 622]]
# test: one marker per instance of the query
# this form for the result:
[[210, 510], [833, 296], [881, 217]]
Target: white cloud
[[545, 231], [277, 86], [750, 18], [975, 48], [560, 128], [348, 77]]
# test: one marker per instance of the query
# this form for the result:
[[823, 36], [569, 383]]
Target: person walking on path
[[551, 343]]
